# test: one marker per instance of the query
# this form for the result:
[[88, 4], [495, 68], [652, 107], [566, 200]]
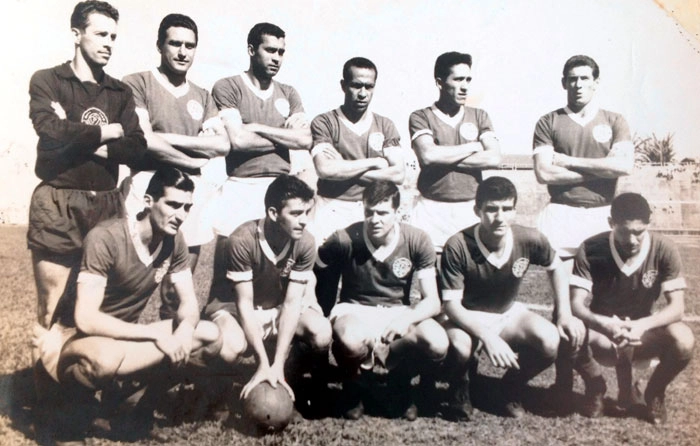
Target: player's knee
[[232, 346], [547, 341], [461, 344], [348, 341], [683, 341], [433, 340], [320, 334], [95, 371]]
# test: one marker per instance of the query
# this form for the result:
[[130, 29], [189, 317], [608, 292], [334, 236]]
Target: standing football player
[[453, 143], [352, 146], [87, 126], [624, 271]]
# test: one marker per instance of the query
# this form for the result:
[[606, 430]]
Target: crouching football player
[[96, 342], [266, 290], [624, 271], [377, 259], [481, 270]]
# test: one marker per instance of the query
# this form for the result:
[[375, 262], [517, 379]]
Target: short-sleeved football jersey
[[443, 182], [184, 110], [627, 288], [378, 276], [270, 107], [364, 139], [563, 130], [485, 281], [114, 257], [250, 258]]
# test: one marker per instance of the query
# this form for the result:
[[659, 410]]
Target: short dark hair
[[168, 177], [177, 21], [495, 189], [358, 62], [446, 61], [286, 187], [82, 11], [379, 191], [261, 29], [630, 206], [581, 61]]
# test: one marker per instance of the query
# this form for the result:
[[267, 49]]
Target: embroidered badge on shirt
[[195, 109], [376, 141], [602, 133], [287, 268], [469, 131], [401, 267], [282, 106], [94, 116], [162, 271], [649, 278], [520, 266]]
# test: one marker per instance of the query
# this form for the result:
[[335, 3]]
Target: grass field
[[540, 426]]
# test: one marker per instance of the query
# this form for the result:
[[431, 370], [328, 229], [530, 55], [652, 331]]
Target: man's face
[[628, 236], [580, 86], [359, 88], [168, 213], [455, 86], [267, 57], [97, 39], [380, 219], [293, 217], [178, 49], [496, 216]]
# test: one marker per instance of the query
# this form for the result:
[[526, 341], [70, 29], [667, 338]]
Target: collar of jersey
[[360, 127], [591, 113], [492, 257], [383, 252], [178, 92], [66, 72], [266, 248], [633, 263], [141, 250], [452, 121], [262, 94]]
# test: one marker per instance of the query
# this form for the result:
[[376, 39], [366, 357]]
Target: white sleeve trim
[[450, 295], [580, 282], [554, 265], [421, 133], [318, 148], [320, 263], [232, 115], [240, 276], [181, 275], [301, 276], [674, 284], [426, 273], [543, 149], [91, 278]]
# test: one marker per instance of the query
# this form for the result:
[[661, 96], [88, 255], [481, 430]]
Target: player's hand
[[60, 112], [207, 132], [111, 131], [572, 329], [499, 352], [197, 163], [173, 349], [632, 335], [278, 374], [396, 329], [185, 333], [102, 152], [381, 163], [296, 121], [613, 328]]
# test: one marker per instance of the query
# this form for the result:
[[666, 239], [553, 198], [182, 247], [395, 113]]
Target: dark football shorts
[[59, 219]]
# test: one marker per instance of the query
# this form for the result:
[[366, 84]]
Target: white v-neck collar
[[178, 91], [452, 121], [360, 127], [633, 263], [492, 257], [262, 94], [142, 251], [383, 252], [580, 120], [265, 246]]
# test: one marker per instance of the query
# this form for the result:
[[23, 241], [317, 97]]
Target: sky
[[649, 63]]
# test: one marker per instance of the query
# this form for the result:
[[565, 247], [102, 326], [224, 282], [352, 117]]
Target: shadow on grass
[[17, 400]]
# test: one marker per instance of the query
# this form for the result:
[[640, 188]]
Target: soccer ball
[[269, 408]]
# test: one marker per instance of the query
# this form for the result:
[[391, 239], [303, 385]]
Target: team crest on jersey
[[649, 278], [287, 268], [376, 141], [195, 109], [602, 133], [469, 131], [401, 267], [94, 116], [282, 106], [162, 271], [520, 266]]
